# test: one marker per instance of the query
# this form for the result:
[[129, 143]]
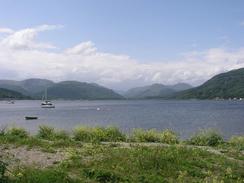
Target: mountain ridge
[[223, 86], [155, 90]]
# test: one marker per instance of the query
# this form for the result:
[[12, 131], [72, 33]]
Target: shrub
[[62, 135], [17, 132], [206, 138], [31, 174], [98, 134], [237, 141], [141, 135], [46, 132], [3, 168], [82, 134], [113, 134], [168, 137], [2, 130], [102, 175]]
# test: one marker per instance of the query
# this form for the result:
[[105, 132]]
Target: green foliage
[[141, 135], [101, 175], [206, 138], [62, 135], [46, 132], [167, 136], [152, 164], [2, 130], [226, 85], [3, 168], [33, 175], [17, 132], [120, 162], [98, 134], [237, 141]]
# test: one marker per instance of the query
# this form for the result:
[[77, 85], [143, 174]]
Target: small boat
[[47, 103], [30, 117], [10, 102]]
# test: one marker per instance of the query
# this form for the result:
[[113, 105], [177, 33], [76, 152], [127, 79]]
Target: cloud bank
[[22, 56]]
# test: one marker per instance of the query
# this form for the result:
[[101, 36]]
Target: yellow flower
[[19, 174]]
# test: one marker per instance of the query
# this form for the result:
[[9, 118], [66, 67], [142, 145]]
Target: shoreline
[[107, 155]]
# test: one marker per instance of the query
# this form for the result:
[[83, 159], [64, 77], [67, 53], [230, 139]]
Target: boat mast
[[46, 94]]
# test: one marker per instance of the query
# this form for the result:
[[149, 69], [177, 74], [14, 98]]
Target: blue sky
[[146, 30], [121, 43]]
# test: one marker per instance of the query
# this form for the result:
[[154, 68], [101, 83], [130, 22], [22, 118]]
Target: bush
[[2, 130], [206, 138], [46, 132], [141, 135], [166, 136], [98, 134], [31, 174], [61, 135], [113, 134], [237, 141], [169, 137], [82, 134], [17, 132], [102, 175], [3, 168]]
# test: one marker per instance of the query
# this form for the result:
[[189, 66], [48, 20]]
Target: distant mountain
[[27, 87], [63, 90], [9, 94], [225, 85], [34, 86], [80, 90], [155, 91]]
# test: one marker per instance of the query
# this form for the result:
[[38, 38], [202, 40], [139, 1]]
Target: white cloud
[[22, 57], [242, 23], [6, 30], [82, 48], [25, 39]]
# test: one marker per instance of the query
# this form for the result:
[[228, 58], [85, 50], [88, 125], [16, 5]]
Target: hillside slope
[[80, 90], [224, 85], [9, 94], [155, 91]]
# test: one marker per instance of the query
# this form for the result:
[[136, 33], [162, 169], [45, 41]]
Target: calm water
[[185, 117]]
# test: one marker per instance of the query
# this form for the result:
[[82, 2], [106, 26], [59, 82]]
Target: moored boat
[[47, 103], [30, 117]]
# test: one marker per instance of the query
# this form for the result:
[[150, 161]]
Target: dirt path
[[15, 156]]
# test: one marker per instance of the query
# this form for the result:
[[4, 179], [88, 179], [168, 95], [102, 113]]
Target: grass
[[206, 138], [98, 134], [237, 141], [167, 136], [127, 162]]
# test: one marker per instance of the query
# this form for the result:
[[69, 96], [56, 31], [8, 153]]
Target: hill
[[225, 85], [63, 90], [9, 94], [155, 91], [27, 87], [80, 90]]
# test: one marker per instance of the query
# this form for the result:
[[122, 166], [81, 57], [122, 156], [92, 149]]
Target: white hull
[[48, 106]]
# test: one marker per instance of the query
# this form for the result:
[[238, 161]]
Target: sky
[[121, 43]]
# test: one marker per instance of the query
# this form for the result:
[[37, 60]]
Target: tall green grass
[[49, 133], [207, 137], [98, 134], [17, 132], [152, 135], [237, 141]]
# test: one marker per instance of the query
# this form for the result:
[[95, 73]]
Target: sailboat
[[47, 103]]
